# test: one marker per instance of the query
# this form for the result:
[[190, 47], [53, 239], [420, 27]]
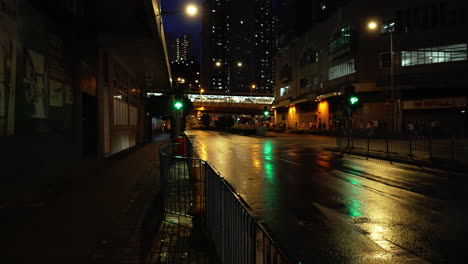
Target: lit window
[[450, 53], [341, 70], [284, 90], [341, 40]]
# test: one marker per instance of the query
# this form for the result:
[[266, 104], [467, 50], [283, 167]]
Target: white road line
[[287, 161], [388, 246]]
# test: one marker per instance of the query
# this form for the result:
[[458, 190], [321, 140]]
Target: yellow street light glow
[[218, 64], [191, 10], [372, 25], [239, 64], [202, 90], [253, 86]]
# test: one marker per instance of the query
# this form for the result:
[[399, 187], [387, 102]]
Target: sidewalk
[[97, 217]]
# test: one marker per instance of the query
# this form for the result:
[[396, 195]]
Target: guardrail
[[192, 187], [443, 148]]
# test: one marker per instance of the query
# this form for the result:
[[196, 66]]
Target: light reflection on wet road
[[326, 208]]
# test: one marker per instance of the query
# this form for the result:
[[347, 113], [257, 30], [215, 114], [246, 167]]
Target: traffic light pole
[[177, 122], [349, 125]]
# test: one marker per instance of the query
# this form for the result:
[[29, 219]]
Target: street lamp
[[372, 25], [389, 28], [253, 86], [201, 96], [239, 65], [191, 10]]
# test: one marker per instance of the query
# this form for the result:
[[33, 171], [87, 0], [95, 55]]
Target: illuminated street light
[[253, 86], [372, 25], [239, 64], [201, 95], [191, 10]]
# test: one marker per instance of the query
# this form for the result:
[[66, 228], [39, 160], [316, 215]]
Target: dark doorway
[[89, 124]]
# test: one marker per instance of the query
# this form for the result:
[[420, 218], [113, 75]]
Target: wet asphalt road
[[323, 207]]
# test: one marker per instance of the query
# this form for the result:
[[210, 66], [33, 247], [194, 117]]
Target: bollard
[[181, 149]]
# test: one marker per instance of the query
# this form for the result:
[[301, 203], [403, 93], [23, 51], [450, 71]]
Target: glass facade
[[341, 40], [450, 53]]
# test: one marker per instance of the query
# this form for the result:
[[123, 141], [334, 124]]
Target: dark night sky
[[180, 23]]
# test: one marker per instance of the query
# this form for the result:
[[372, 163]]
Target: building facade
[[73, 76], [182, 49], [410, 68], [238, 46]]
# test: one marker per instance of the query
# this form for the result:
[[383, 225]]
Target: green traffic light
[[178, 105], [266, 113], [353, 100]]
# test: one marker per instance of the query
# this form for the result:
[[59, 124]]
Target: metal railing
[[452, 148], [193, 188]]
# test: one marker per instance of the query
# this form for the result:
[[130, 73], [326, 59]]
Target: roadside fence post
[[452, 148], [387, 143], [368, 145], [430, 147], [410, 147]]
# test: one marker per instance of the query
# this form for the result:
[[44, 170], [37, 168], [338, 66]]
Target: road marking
[[388, 246], [294, 163]]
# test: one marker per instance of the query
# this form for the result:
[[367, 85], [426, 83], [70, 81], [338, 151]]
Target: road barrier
[[191, 187], [453, 148]]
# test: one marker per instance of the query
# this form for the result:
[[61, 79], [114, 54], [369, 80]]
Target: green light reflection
[[268, 165], [354, 205], [354, 208]]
